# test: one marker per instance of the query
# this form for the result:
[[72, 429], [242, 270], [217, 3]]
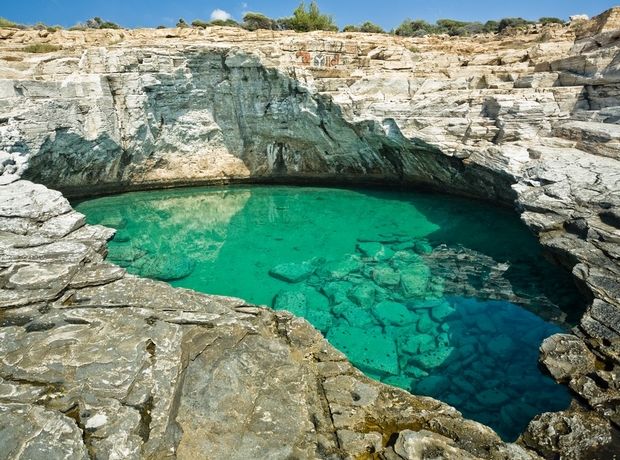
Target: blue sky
[[150, 13]]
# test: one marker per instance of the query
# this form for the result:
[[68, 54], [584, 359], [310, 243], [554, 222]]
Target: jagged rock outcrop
[[527, 118]]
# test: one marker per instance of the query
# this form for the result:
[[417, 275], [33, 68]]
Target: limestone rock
[[566, 356], [412, 445], [575, 435]]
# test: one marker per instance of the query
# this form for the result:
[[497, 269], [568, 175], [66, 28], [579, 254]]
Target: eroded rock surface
[[527, 118]]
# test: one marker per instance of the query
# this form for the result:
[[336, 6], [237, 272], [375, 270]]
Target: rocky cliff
[[527, 118]]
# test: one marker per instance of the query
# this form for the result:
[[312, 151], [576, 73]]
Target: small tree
[[256, 21], [512, 22], [417, 28], [491, 27], [350, 28], [98, 23], [198, 23], [182, 24], [7, 24], [224, 23], [311, 19], [371, 28]]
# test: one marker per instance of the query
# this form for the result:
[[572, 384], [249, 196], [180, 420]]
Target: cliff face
[[529, 118]]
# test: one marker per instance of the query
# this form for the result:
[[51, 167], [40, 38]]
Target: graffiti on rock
[[319, 59]]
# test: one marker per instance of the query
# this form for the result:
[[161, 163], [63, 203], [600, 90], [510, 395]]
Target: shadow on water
[[420, 291]]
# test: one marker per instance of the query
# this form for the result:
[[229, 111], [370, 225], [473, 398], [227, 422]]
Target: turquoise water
[[441, 296]]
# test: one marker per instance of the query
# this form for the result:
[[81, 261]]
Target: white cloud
[[220, 15], [244, 6]]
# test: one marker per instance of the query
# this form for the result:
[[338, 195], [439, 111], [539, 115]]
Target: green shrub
[[512, 22], [7, 24], [368, 27], [41, 48], [490, 27], [200, 24], [551, 20], [307, 20], [223, 23], [182, 24], [458, 28], [98, 23], [414, 28], [256, 21], [371, 28]]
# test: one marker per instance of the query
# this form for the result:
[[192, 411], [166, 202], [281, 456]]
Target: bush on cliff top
[[368, 27], [7, 24], [452, 27], [307, 20], [547, 20], [198, 23], [98, 23], [256, 21]]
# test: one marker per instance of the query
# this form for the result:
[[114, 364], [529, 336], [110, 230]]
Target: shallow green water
[[441, 296]]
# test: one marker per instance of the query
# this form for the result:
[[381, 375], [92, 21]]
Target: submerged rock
[[385, 276], [373, 250], [368, 348], [354, 315], [364, 294], [433, 358], [293, 272], [166, 267], [393, 314], [492, 397], [338, 269], [293, 301], [414, 280], [416, 343]]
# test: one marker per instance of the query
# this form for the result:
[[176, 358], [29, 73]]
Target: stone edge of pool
[[57, 288]]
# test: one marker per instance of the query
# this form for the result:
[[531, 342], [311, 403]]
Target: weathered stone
[[30, 431], [566, 356], [415, 445], [574, 434]]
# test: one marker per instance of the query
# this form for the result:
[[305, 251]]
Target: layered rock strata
[[528, 118]]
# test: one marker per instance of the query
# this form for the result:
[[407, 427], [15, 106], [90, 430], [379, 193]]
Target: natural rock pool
[[438, 295]]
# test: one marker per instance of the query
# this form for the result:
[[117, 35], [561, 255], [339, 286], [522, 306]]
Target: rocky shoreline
[[526, 119]]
